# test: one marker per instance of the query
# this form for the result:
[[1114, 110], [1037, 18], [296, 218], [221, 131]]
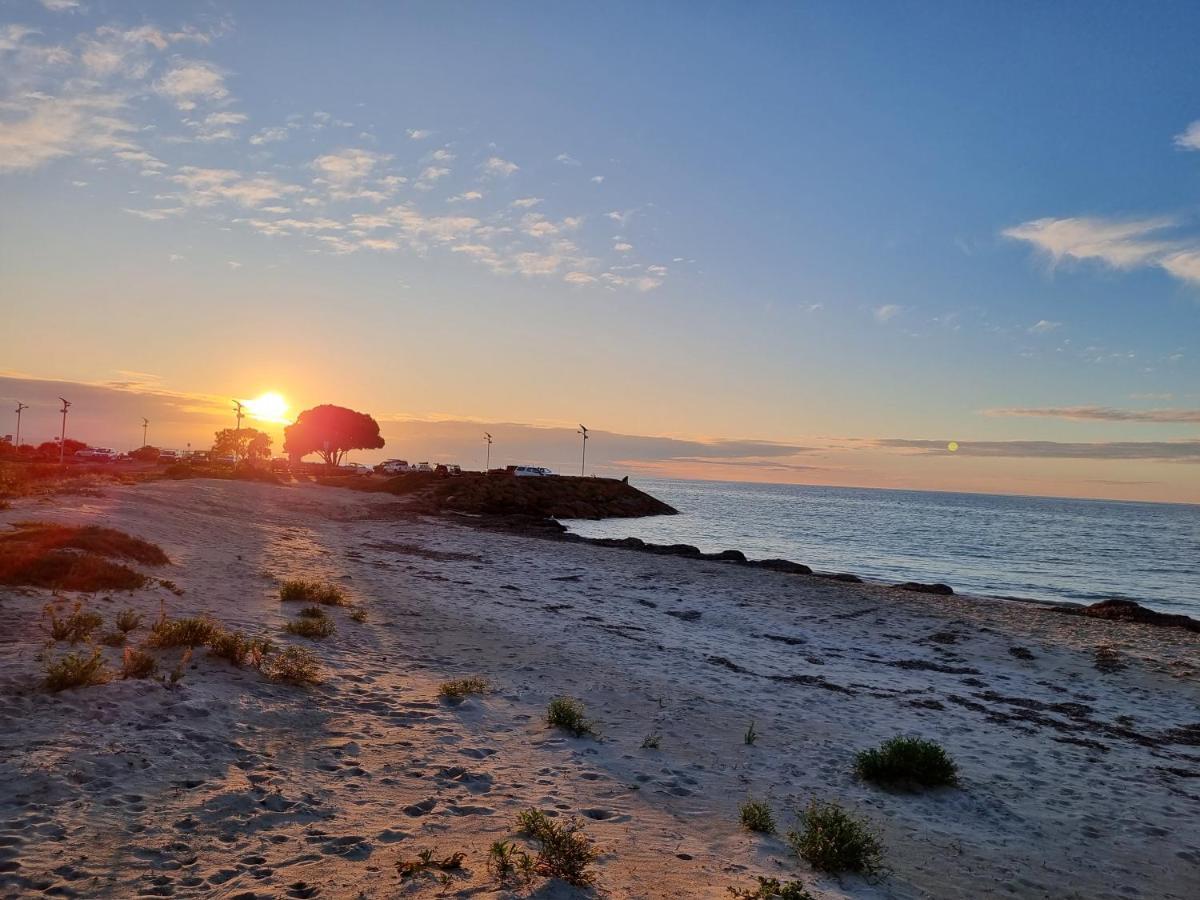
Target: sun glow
[[268, 407]]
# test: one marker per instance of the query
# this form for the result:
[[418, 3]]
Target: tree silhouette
[[330, 431], [244, 443]]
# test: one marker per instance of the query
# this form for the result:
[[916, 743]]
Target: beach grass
[[564, 850], [460, 688], [568, 714], [76, 670], [301, 590], [293, 665], [773, 889], [74, 627], [907, 760], [756, 816]]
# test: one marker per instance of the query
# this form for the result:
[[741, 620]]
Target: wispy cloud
[[1101, 414], [1189, 139], [499, 167], [886, 313], [192, 81], [1119, 244], [1167, 451]]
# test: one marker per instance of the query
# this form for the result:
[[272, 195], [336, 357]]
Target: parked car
[[529, 471], [168, 456], [423, 467], [97, 454], [393, 467], [354, 469]]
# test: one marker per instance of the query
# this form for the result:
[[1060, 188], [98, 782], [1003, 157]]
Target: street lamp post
[[20, 406], [62, 440], [145, 428], [487, 466], [583, 462], [237, 432]]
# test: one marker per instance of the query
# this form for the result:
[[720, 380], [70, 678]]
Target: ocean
[[1040, 548]]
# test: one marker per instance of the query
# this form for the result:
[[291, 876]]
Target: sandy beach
[[1078, 780]]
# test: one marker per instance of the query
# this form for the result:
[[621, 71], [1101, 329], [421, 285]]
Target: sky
[[936, 246]]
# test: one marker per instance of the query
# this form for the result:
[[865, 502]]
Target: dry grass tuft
[[311, 591], [237, 648], [427, 860], [138, 664], [456, 690], [75, 670], [773, 889], [190, 632], [313, 623], [127, 620], [293, 665], [76, 627]]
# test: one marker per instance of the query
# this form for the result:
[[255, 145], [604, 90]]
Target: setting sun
[[268, 407]]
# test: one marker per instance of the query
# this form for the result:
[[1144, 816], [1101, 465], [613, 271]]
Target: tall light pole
[[20, 406], [145, 428], [583, 463], [62, 441], [487, 466], [237, 432]]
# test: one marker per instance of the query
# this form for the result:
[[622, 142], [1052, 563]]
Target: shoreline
[[1075, 777]]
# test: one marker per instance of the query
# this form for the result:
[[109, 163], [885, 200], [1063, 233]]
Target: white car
[[531, 471], [354, 469], [97, 454], [423, 467], [393, 467]]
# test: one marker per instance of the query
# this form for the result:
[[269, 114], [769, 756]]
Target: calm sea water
[[1035, 547]]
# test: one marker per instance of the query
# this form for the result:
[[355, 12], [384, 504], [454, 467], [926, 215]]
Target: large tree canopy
[[330, 431], [244, 443]]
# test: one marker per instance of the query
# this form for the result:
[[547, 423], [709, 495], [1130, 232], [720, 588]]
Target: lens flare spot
[[268, 407], [952, 446]]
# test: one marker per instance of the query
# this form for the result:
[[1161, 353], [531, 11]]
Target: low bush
[[568, 714], [564, 851], [313, 624], [113, 639], [907, 760], [138, 664], [64, 570], [310, 591], [127, 620], [190, 632], [76, 670], [293, 665], [456, 690], [358, 614], [84, 538], [832, 840], [505, 860], [237, 648], [73, 628], [773, 889], [756, 816]]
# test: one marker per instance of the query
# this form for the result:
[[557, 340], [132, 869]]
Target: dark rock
[[917, 587], [727, 556], [674, 550], [687, 615], [783, 565], [840, 576], [1128, 611]]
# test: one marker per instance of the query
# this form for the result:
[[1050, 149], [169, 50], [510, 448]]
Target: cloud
[[499, 167], [597, 179], [1190, 138], [419, 134], [49, 128], [579, 278], [1101, 414], [191, 81], [465, 196], [566, 159], [1165, 451], [1043, 326], [345, 166], [268, 136], [622, 247], [1119, 244], [887, 312], [60, 5], [207, 187], [526, 202], [156, 215]]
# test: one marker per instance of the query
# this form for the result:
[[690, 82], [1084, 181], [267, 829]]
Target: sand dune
[[1077, 782]]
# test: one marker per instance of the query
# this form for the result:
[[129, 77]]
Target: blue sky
[[781, 222]]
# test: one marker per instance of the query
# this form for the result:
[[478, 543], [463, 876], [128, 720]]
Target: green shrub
[[138, 664], [456, 690], [832, 840], [568, 714], [293, 665], [505, 859], [750, 736], [773, 889], [113, 639], [75, 670], [564, 851], [309, 591], [652, 741], [76, 627], [756, 816], [907, 760]]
